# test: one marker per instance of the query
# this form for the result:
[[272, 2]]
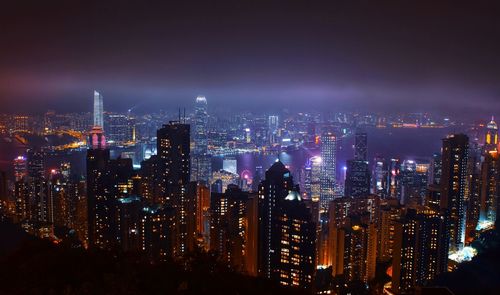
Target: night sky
[[415, 56]]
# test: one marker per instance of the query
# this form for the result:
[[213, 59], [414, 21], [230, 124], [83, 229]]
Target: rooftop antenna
[[184, 116]]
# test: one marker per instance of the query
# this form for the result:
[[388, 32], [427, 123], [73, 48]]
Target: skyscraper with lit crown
[[98, 110]]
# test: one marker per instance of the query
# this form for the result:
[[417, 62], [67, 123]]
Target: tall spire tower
[[98, 110]]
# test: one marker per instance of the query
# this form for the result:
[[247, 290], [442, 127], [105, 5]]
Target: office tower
[[228, 225], [118, 128], [201, 162], [328, 169], [420, 250], [201, 168], [98, 110], [312, 178], [174, 166], [230, 165], [436, 169], [491, 137], [361, 146], [226, 178], [273, 125], [413, 181], [453, 182], [394, 178], [379, 176], [200, 127], [357, 182], [490, 187]]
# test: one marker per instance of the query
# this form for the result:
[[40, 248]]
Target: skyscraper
[[361, 146], [173, 147], [328, 169], [98, 110], [357, 181], [453, 183], [201, 161], [286, 230], [491, 138], [272, 192], [420, 249], [273, 125]]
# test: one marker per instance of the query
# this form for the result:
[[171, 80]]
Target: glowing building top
[[97, 140], [491, 140], [492, 124]]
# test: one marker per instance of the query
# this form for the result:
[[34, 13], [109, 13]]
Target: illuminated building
[[436, 169], [490, 187], [230, 165], [98, 110], [21, 123], [313, 178], [453, 182], [158, 227], [119, 128], [361, 146], [420, 250], [107, 181], [201, 168], [297, 247], [491, 137], [20, 168], [357, 183], [389, 215], [226, 178], [272, 192], [359, 250], [38, 202], [328, 169], [340, 212], [173, 145], [228, 226], [273, 125], [379, 176], [394, 178], [203, 214], [129, 213], [201, 162]]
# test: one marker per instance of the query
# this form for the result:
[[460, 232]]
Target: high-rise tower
[[98, 110], [200, 126], [453, 185], [491, 139], [201, 167], [328, 169]]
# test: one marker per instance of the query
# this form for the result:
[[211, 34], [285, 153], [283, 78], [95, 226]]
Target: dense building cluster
[[292, 226]]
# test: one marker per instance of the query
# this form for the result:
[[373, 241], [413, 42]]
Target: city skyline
[[250, 148]]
